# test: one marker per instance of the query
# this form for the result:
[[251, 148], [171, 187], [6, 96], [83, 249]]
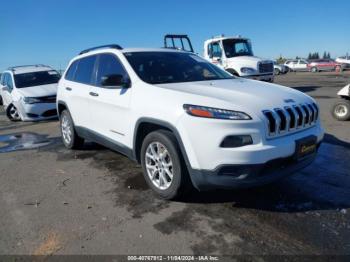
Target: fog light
[[236, 141]]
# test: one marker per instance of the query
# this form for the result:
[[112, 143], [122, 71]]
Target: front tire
[[13, 114], [70, 138], [163, 166], [341, 110], [1, 102], [277, 71], [314, 69]]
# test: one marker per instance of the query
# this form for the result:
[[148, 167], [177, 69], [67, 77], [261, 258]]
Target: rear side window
[[71, 71], [109, 64], [85, 69]]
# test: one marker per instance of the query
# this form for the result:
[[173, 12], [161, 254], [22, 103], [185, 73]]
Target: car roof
[[28, 69]]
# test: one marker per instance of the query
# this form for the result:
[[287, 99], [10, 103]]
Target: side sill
[[105, 141]]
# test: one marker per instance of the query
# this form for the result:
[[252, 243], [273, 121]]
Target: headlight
[[31, 100], [247, 70], [209, 112]]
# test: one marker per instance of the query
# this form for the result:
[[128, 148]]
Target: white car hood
[[38, 91], [246, 61], [242, 93]]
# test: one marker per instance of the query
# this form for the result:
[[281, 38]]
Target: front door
[[109, 107]]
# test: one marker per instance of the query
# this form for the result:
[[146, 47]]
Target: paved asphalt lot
[[95, 201]]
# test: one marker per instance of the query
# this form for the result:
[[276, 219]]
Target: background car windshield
[[237, 47], [36, 78], [173, 67]]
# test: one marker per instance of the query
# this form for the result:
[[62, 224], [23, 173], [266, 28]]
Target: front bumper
[[37, 111], [211, 165], [245, 176], [265, 77]]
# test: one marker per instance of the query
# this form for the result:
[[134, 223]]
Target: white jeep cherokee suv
[[185, 120], [28, 93]]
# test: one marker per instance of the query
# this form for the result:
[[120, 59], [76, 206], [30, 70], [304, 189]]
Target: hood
[[242, 93], [246, 61], [38, 91]]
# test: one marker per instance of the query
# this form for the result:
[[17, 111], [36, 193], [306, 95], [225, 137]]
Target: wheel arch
[[60, 107], [232, 71], [146, 125]]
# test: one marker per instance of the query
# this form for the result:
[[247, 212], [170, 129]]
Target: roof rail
[[114, 46], [37, 65]]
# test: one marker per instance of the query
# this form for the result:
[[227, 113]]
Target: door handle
[[93, 94], [68, 89]]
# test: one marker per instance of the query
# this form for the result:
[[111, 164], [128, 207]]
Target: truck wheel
[[1, 102], [314, 69], [70, 138], [341, 110], [163, 167], [232, 72], [277, 71]]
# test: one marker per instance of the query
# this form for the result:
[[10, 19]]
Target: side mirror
[[115, 81], [5, 88]]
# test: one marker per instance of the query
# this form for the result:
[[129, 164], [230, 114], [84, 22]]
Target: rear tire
[[163, 166], [70, 137], [1, 102], [314, 69], [341, 110]]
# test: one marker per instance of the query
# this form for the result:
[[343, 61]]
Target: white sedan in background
[[297, 65], [28, 93], [344, 61]]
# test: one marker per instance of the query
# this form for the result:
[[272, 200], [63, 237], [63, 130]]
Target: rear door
[[109, 107], [302, 65], [78, 81]]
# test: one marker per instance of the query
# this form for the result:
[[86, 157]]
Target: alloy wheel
[[341, 110], [66, 129], [159, 165], [14, 113]]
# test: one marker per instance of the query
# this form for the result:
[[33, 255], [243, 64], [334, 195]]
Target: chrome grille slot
[[271, 122], [283, 120], [312, 113], [307, 114], [316, 111], [290, 119], [300, 116]]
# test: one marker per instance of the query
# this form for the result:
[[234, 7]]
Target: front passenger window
[[109, 65]]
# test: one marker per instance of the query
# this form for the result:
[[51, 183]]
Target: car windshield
[[36, 78], [173, 67], [237, 47]]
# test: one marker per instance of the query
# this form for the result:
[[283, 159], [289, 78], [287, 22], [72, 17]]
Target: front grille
[[289, 119], [265, 67], [47, 99]]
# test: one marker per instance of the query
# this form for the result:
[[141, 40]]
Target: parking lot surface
[[95, 201]]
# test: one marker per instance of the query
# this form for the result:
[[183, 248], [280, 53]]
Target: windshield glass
[[237, 47], [173, 67], [36, 78]]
